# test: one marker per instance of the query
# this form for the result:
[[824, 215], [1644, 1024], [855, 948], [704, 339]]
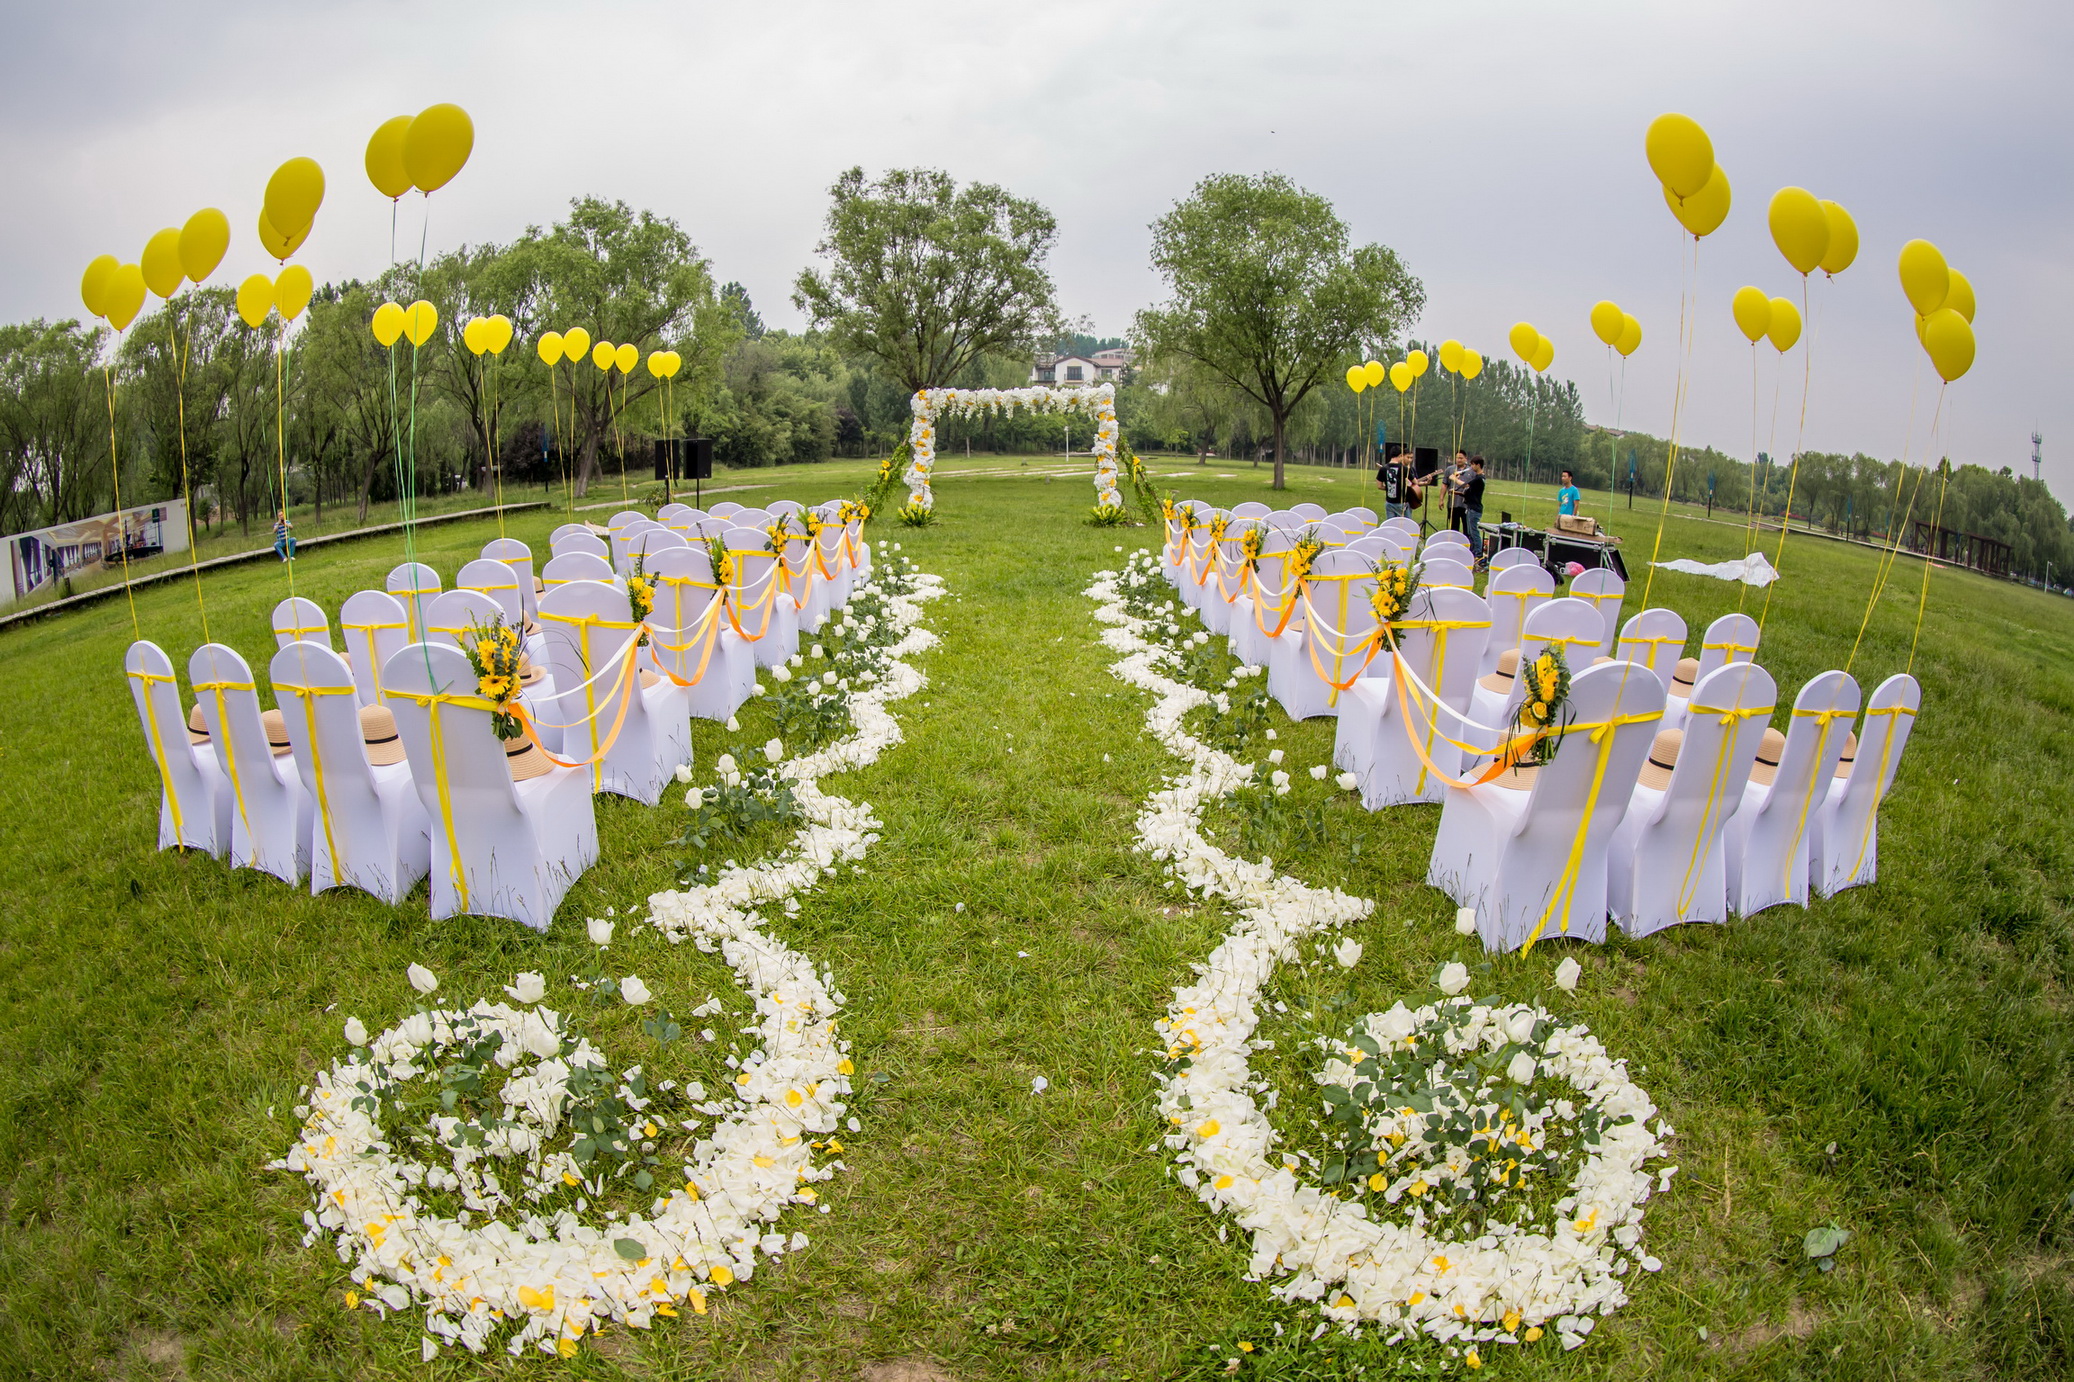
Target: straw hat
[[648, 678], [539, 586], [1601, 661], [1843, 764], [378, 729], [1769, 751], [1663, 756], [276, 732], [1519, 777], [525, 759], [1683, 676], [530, 673], [197, 729], [1499, 682]]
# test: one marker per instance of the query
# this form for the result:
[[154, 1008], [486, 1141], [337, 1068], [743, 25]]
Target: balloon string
[[1807, 359], [122, 519], [1883, 567], [1750, 514], [194, 555], [281, 456], [1688, 290], [1944, 475], [619, 443]]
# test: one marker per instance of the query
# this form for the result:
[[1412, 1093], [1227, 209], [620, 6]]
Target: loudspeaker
[[698, 453], [665, 457], [1427, 460]]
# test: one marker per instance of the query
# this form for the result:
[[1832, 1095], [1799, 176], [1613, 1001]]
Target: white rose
[[757, 688], [695, 798], [1567, 974], [600, 932], [815, 651], [734, 726], [781, 673], [1521, 1071], [422, 979], [1465, 920], [774, 750], [1273, 755], [828, 678], [1318, 772], [356, 1034], [1279, 779], [539, 1038], [798, 661], [1519, 1028], [726, 764], [683, 773], [1347, 782], [1348, 953], [527, 987], [1271, 739], [633, 990], [1454, 977]]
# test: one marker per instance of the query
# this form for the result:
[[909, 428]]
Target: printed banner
[[42, 559]]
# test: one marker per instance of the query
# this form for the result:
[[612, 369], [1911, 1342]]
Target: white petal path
[[1497, 1287]]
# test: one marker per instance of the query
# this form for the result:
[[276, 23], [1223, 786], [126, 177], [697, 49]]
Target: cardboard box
[[1576, 523]]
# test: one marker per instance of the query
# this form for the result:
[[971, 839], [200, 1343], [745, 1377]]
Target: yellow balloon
[[1400, 376], [674, 363], [437, 144], [1357, 378], [1925, 278], [292, 291], [279, 245], [202, 242], [1374, 373], [93, 284], [1472, 363], [500, 333], [1418, 362], [1800, 228], [420, 320], [385, 157], [1679, 153], [629, 356], [161, 262], [1451, 355], [1959, 297], [1843, 239], [1606, 320], [550, 347], [1630, 335], [1753, 312], [1785, 325], [125, 295], [293, 194], [388, 324], [1524, 338], [476, 335], [1703, 212], [1544, 355], [656, 361], [255, 299], [576, 343], [603, 354], [1948, 337]]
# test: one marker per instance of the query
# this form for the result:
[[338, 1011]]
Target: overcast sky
[[1497, 147]]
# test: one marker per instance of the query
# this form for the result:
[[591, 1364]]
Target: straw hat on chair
[[276, 733], [525, 759], [378, 730], [1499, 682], [197, 729], [1769, 751], [1850, 754], [1663, 756], [1686, 673]]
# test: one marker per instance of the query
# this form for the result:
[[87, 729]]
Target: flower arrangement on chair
[[494, 652], [640, 596], [1395, 584], [1302, 553], [1547, 682]]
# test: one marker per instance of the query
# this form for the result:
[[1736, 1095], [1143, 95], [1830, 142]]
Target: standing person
[[284, 540], [1456, 478], [1472, 506], [1567, 498], [1399, 482]]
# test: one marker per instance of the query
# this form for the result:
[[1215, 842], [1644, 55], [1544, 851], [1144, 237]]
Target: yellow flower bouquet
[[494, 652]]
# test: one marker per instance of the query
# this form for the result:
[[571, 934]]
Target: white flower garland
[[927, 405], [559, 1276], [1503, 1285]]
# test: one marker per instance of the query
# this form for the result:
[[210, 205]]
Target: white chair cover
[[576, 566], [414, 583], [1513, 594], [1309, 513], [298, 618], [785, 506], [1227, 576], [808, 594], [1311, 665], [452, 617], [566, 530], [726, 508], [519, 558], [1285, 518], [1444, 571], [1607, 592], [760, 611], [582, 540], [1846, 850], [1201, 565], [689, 636], [1572, 625], [270, 819], [588, 632], [1440, 642], [831, 563], [374, 626], [1252, 508], [194, 805], [371, 831], [1665, 863], [1731, 638], [1506, 557], [623, 537], [1767, 840], [1365, 514], [1533, 863], [649, 541], [499, 848], [496, 582], [1406, 528], [1656, 639], [669, 513]]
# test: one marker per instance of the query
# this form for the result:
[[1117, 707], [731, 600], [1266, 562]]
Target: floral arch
[[1098, 402]]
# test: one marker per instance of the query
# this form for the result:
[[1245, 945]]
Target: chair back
[[1252, 508], [1445, 571], [229, 699], [1731, 709], [454, 616], [1656, 639], [624, 517], [710, 527], [784, 506], [1339, 615], [566, 530], [685, 624], [1513, 594], [582, 540], [1890, 716], [414, 583], [1732, 638], [754, 585], [315, 692], [1441, 640], [492, 579], [624, 537], [374, 626], [188, 809], [1572, 625], [750, 518], [649, 542], [1822, 713], [726, 508], [297, 618], [1606, 591], [1366, 515], [1402, 526], [1309, 513], [1512, 556], [574, 566], [588, 627], [1285, 518], [519, 558], [668, 514]]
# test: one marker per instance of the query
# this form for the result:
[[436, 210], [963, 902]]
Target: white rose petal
[[1039, 1084], [1273, 755], [356, 1033], [781, 673], [1454, 977], [734, 726], [1567, 974], [633, 990], [1318, 772], [422, 979], [1348, 782], [1348, 953]]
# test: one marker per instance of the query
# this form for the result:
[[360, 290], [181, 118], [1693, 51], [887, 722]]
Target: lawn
[[1894, 1060]]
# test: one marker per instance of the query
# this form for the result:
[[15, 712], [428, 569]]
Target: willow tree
[[1267, 294]]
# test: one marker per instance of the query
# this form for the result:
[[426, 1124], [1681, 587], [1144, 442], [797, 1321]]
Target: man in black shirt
[[1472, 502], [1400, 486]]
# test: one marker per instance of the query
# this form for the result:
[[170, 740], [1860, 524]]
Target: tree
[[927, 277], [53, 424], [1266, 293]]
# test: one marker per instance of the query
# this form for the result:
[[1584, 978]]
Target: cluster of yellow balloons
[[1944, 305], [1812, 233], [416, 323], [115, 291], [1616, 328], [288, 294], [1682, 157], [289, 209], [1534, 348], [664, 364], [424, 151], [1455, 357], [490, 334], [1758, 316], [1367, 375]]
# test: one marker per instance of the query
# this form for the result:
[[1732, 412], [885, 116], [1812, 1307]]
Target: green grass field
[[1896, 1059]]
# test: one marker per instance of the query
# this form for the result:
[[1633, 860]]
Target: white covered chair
[[270, 817], [1268, 601], [371, 831], [297, 618], [1766, 847], [1655, 638], [518, 557], [689, 637], [498, 583], [499, 848], [758, 608], [1445, 572], [1607, 592], [1227, 576], [831, 569], [1311, 666], [414, 584], [1309, 513], [1506, 557], [669, 513], [566, 530], [649, 541], [1513, 594], [726, 508], [1731, 638], [582, 540], [598, 686], [625, 535], [1198, 571], [194, 807], [1847, 848], [1665, 864], [1439, 643], [374, 626], [454, 616], [1532, 862], [809, 595], [576, 566], [1572, 625]]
